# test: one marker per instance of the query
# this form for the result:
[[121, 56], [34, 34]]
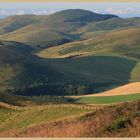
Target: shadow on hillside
[[75, 76]]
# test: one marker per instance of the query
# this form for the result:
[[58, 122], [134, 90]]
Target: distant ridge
[[103, 53], [48, 30], [72, 15]]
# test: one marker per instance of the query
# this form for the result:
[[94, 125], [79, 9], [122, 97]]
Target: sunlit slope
[[120, 120], [13, 23], [121, 42], [131, 88], [108, 25], [100, 69], [23, 118], [108, 59], [48, 30], [61, 27], [126, 93], [40, 36]]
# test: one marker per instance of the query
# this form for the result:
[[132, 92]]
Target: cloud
[[12, 12], [116, 11], [120, 11], [43, 12], [22, 12]]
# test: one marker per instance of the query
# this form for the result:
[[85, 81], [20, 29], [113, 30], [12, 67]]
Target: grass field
[[49, 77], [108, 99], [25, 117], [115, 42], [112, 121], [91, 70], [71, 121]]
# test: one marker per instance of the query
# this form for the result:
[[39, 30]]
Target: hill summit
[[48, 30], [75, 15]]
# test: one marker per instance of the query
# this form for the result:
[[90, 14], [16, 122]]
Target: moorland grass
[[108, 99], [21, 119]]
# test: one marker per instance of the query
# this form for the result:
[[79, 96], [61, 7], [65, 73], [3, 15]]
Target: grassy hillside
[[20, 69], [108, 25], [121, 42], [108, 99], [61, 27], [76, 15], [23, 73], [129, 88], [15, 100], [78, 79], [13, 23], [49, 30], [99, 53], [113, 121], [110, 58], [120, 120], [42, 37], [25, 117], [11, 55]]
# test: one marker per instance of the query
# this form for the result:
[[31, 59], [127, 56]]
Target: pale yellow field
[[131, 88]]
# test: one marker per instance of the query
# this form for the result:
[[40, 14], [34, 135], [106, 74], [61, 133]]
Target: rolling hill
[[120, 42], [127, 89], [46, 61], [120, 120], [108, 59], [126, 93], [24, 117], [61, 27], [26, 74], [49, 30], [13, 23], [11, 55], [30, 75], [107, 25]]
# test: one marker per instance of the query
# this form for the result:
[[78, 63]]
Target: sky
[[120, 9]]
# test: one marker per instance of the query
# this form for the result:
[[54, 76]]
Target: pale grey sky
[[121, 9]]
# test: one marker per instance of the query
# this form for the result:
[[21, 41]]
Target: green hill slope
[[26, 74], [78, 15], [121, 42], [107, 25], [11, 55], [13, 23], [49, 30], [19, 68], [110, 58], [120, 120], [73, 76], [61, 27], [24, 118]]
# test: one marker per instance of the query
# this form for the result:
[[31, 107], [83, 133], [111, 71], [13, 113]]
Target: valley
[[65, 71]]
